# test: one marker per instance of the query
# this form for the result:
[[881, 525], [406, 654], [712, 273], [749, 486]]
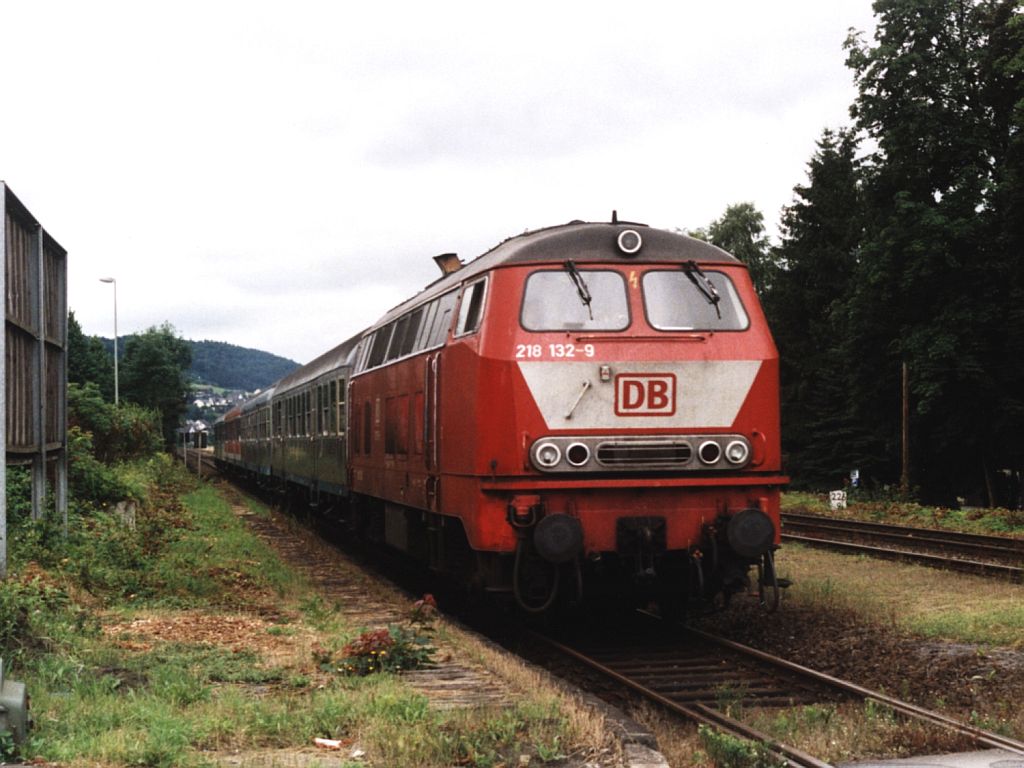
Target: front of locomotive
[[647, 407]]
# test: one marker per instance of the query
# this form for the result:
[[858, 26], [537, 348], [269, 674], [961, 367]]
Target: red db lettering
[[645, 394], [657, 395], [632, 395]]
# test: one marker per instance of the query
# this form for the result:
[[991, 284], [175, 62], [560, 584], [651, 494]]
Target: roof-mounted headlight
[[630, 242]]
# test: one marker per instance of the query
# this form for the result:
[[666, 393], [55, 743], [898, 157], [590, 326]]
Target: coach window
[[575, 300], [471, 309], [332, 419], [706, 301], [321, 410]]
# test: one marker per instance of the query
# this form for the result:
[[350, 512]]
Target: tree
[[938, 272], [817, 258], [88, 360], [740, 231], [154, 374]]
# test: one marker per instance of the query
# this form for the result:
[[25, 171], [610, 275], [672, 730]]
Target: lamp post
[[114, 282]]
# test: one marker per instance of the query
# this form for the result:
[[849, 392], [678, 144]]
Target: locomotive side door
[[431, 426]]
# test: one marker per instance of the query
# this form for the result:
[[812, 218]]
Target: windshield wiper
[[581, 286], [704, 285]]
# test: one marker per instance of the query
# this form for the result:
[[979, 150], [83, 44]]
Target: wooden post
[[905, 433]]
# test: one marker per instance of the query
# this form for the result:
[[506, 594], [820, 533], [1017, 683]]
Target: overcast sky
[[277, 175]]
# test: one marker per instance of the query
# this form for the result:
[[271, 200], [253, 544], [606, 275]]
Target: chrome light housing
[[577, 454], [737, 452], [629, 241], [547, 455], [710, 452]]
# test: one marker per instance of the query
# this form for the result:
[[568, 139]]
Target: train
[[585, 413]]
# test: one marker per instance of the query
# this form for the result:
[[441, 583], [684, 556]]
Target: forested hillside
[[231, 367], [220, 364]]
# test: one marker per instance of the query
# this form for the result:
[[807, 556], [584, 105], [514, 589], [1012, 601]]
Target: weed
[[316, 611], [878, 713], [731, 752], [550, 751], [8, 749], [390, 649], [729, 698]]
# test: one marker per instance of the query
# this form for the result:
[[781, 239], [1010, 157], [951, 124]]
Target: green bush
[[28, 608], [91, 482], [119, 433]]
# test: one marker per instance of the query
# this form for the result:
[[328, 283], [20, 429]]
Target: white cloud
[[277, 176]]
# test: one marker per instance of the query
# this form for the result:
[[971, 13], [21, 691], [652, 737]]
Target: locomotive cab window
[[678, 300], [471, 308], [442, 319], [575, 300]]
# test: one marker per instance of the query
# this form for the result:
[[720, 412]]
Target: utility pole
[[905, 432]]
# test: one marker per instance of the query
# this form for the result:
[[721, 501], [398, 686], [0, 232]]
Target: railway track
[[698, 684], [997, 556], [699, 676], [702, 677]]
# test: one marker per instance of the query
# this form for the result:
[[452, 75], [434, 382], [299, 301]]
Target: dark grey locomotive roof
[[582, 242]]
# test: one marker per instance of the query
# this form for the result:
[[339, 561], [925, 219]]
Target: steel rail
[[981, 736], [696, 712], [1011, 572], [1003, 547]]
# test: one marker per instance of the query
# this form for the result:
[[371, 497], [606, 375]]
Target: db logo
[[645, 394]]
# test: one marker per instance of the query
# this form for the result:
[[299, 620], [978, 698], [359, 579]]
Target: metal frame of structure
[[33, 353]]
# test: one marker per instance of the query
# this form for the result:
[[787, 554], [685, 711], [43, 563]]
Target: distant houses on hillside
[[207, 404]]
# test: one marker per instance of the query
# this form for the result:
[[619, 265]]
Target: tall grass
[[73, 617]]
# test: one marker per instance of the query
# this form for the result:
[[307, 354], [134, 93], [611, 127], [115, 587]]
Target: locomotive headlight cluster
[[626, 453]]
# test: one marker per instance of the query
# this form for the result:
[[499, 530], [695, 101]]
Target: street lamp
[[114, 282]]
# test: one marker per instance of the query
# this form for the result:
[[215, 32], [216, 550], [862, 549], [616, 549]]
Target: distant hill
[[225, 365]]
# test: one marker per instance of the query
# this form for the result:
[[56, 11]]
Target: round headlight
[[710, 452], [548, 454], [630, 241], [577, 454], [737, 452]]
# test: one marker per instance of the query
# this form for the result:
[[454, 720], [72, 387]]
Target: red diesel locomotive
[[585, 410]]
